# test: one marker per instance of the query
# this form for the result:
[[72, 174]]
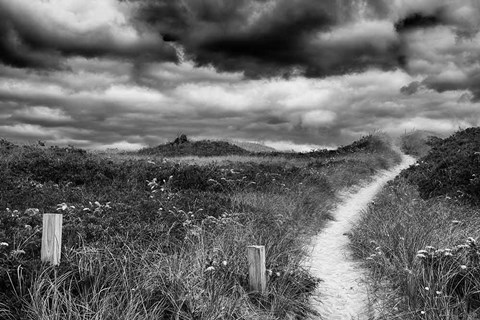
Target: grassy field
[[419, 237], [150, 237]]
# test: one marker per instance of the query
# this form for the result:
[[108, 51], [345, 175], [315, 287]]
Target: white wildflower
[[32, 211]]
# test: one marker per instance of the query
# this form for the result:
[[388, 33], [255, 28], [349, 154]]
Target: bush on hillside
[[451, 168]]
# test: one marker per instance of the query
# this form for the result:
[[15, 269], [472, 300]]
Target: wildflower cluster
[[63, 207], [463, 254], [214, 265], [13, 213], [20, 240], [96, 207], [450, 273], [155, 186], [378, 253]]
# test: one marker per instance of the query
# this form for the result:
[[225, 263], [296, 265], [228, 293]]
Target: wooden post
[[52, 238], [256, 268]]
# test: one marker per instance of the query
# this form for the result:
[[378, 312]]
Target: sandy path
[[341, 294]]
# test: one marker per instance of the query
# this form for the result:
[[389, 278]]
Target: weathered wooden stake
[[52, 238], [256, 268]]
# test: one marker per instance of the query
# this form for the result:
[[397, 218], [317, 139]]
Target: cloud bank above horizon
[[96, 73]]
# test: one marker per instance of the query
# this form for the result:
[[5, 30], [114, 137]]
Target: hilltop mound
[[419, 142], [203, 148], [451, 168]]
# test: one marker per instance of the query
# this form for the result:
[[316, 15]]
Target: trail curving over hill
[[342, 293]]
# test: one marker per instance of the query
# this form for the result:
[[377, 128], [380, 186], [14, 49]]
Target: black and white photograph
[[239, 159]]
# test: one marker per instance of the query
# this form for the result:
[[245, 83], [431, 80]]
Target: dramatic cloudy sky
[[129, 73]]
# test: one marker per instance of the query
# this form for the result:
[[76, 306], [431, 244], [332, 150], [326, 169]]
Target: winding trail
[[342, 293]]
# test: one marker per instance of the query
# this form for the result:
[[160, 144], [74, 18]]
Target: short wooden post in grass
[[52, 238], [256, 268]]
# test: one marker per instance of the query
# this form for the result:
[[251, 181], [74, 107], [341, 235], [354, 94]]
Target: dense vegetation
[[451, 168], [147, 238], [419, 237]]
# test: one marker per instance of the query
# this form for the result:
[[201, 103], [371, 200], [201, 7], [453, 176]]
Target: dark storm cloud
[[470, 82], [14, 52], [30, 37], [417, 20], [275, 40], [267, 38], [461, 16]]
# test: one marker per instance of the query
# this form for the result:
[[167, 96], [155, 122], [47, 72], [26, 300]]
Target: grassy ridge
[[419, 236], [146, 238]]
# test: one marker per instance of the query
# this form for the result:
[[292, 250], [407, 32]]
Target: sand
[[342, 293]]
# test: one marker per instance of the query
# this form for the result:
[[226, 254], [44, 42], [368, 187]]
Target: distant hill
[[419, 142], [202, 148], [252, 146], [451, 168], [206, 148]]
